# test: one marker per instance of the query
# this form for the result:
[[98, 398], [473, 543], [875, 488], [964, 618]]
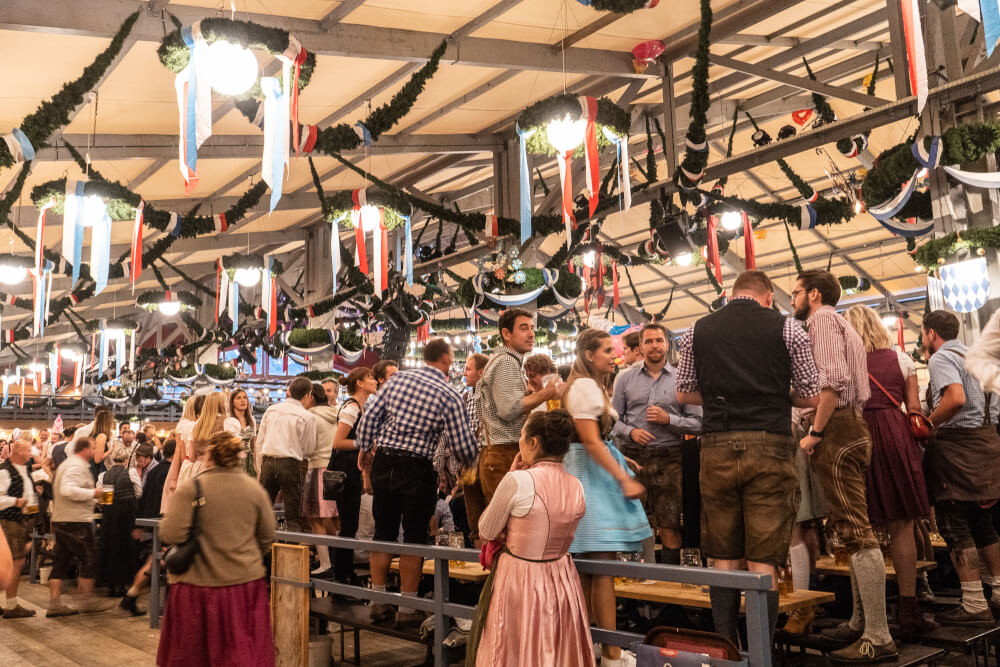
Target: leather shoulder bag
[[180, 557]]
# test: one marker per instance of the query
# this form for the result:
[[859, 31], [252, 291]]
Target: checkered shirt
[[499, 394], [412, 411], [840, 357]]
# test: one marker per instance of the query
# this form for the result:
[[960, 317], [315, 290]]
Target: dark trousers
[[288, 476], [349, 508]]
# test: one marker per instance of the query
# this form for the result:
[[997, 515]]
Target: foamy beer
[[108, 496], [30, 509]]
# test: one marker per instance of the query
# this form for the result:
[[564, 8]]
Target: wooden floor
[[110, 639]]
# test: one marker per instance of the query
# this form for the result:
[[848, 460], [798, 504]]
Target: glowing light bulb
[[232, 69], [369, 218], [68, 354], [170, 308], [247, 277], [857, 207], [684, 259], [566, 134], [589, 258], [731, 221], [12, 275], [889, 321]]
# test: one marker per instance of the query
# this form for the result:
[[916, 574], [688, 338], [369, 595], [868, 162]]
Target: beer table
[[671, 592], [827, 565]]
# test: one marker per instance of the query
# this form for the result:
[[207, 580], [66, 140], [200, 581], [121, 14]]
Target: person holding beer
[[18, 505]]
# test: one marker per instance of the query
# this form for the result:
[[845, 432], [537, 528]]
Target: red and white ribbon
[[712, 248], [588, 111], [307, 141], [295, 55], [748, 249], [135, 269], [219, 223], [492, 226], [916, 59], [360, 251], [566, 182]]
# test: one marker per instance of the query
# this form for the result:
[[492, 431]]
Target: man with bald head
[[17, 493]]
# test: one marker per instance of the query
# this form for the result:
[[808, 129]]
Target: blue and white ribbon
[[890, 208], [335, 249], [19, 146], [363, 133], [523, 135], [102, 363], [928, 159], [174, 226], [808, 217], [275, 137], [990, 13], [349, 356], [100, 246], [119, 353], [408, 232], [73, 222], [234, 303], [194, 103]]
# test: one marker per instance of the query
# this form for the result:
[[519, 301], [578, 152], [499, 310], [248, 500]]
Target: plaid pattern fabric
[[499, 394], [805, 379], [947, 367], [444, 461], [840, 357], [412, 411]]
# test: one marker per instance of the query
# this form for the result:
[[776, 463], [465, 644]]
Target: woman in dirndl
[[242, 422], [615, 520]]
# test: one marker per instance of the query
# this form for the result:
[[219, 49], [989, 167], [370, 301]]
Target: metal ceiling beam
[[339, 13], [101, 18], [724, 24], [804, 83], [788, 42]]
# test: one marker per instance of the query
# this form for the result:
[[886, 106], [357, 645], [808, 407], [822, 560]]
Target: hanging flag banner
[[965, 285], [275, 137], [916, 60], [194, 103], [73, 223], [219, 223], [135, 269], [526, 193]]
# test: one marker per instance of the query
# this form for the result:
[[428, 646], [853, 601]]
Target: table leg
[[357, 646]]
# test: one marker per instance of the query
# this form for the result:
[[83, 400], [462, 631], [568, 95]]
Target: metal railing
[[754, 585]]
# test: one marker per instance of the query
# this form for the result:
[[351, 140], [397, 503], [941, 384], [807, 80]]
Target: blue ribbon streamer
[[103, 352], [27, 150], [100, 252], [525, 185], [190, 126], [234, 303], [119, 354], [399, 252], [335, 249], [275, 104], [78, 231], [409, 249], [366, 135], [989, 10], [6, 392]]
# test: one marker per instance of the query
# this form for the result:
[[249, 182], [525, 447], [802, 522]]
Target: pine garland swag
[[537, 115]]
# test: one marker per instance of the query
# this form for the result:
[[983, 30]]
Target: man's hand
[[641, 436], [20, 502], [553, 390], [657, 415], [365, 461], [808, 443], [98, 492], [366, 484], [633, 465]]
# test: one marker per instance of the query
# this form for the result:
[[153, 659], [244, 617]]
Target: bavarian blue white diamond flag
[[965, 285]]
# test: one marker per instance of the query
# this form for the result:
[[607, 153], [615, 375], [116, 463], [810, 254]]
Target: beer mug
[[552, 403], [108, 496], [30, 509], [690, 558], [456, 540]]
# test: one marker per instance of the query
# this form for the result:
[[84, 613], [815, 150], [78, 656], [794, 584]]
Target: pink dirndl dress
[[537, 615]]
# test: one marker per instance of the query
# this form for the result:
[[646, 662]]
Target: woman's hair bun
[[342, 381], [225, 449], [554, 429], [560, 424]]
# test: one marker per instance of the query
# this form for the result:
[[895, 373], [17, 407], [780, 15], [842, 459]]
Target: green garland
[[695, 160], [318, 376], [154, 299], [236, 261], [959, 145], [854, 284], [339, 206], [310, 337], [619, 6], [174, 53], [828, 211], [939, 251], [54, 113], [220, 371], [536, 116]]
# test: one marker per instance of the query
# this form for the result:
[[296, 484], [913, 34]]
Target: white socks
[[11, 603], [799, 554], [973, 599], [323, 553], [869, 572], [857, 621], [994, 584]]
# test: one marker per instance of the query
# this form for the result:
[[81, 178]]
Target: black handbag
[[180, 557], [333, 484]]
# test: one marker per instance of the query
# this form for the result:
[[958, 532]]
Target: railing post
[[758, 630], [154, 581], [440, 597]]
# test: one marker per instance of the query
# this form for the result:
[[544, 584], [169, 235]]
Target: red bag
[[488, 554], [920, 426]]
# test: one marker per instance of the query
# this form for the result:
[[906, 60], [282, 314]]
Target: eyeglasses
[[796, 292]]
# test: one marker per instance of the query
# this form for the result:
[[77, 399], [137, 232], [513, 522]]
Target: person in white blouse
[[982, 359], [17, 494], [184, 456]]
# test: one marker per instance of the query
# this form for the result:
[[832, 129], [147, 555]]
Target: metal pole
[[758, 630], [440, 598], [154, 581]]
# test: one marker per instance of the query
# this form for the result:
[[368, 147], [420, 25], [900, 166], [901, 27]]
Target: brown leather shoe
[[864, 652], [800, 621], [842, 633], [18, 612]]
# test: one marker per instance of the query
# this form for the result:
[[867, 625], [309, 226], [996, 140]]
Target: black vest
[[16, 490], [744, 369], [118, 479]]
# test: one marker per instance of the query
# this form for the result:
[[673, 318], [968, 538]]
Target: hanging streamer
[[616, 294], [712, 249], [102, 365], [526, 193], [234, 303], [915, 59], [989, 11], [748, 249], [275, 137], [73, 216], [335, 250], [588, 111], [136, 264], [100, 243], [194, 103], [566, 182], [40, 234], [408, 250], [19, 145], [119, 352], [297, 56], [218, 289]]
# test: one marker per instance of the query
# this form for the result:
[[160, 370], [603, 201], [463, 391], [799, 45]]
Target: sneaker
[[924, 592], [18, 612], [60, 609], [959, 616], [94, 605], [379, 612], [864, 652], [843, 633]]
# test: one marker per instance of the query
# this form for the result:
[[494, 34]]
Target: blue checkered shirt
[[412, 411]]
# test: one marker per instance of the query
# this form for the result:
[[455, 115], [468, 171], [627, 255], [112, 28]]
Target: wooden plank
[[827, 565], [290, 605], [465, 572], [670, 592]]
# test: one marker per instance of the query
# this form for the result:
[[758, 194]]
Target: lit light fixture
[[170, 308], [857, 207], [684, 259], [369, 218], [589, 258], [889, 321], [731, 221], [247, 277], [68, 354], [565, 133], [11, 274], [232, 68]]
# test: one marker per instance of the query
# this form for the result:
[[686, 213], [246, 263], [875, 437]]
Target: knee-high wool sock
[[799, 554], [869, 571]]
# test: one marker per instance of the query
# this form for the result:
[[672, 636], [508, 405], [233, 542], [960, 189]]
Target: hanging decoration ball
[[646, 53], [233, 69], [247, 277], [565, 133], [980, 251], [731, 221]]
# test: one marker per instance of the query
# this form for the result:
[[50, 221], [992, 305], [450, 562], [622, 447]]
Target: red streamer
[[590, 153], [748, 249], [301, 58], [614, 283]]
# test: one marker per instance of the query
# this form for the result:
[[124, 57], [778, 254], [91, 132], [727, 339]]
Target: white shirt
[[514, 497], [82, 432], [29, 487], [585, 400], [184, 429], [287, 430], [982, 359]]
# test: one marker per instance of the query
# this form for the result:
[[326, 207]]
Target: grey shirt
[[635, 390]]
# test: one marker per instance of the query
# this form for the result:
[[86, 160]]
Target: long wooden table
[[473, 572], [827, 565], [670, 592]]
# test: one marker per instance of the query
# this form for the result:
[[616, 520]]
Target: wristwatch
[[816, 434]]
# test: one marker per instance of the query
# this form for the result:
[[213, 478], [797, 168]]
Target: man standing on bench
[[405, 420]]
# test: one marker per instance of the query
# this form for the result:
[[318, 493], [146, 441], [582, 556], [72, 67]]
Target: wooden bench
[[356, 617], [910, 655], [669, 592], [827, 565], [970, 640], [470, 572]]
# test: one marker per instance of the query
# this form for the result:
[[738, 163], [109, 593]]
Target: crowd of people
[[795, 418]]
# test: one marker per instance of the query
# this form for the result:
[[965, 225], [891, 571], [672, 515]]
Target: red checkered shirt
[[840, 357]]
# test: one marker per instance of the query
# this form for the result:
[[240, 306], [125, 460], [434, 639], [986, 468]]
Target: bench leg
[[357, 646]]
